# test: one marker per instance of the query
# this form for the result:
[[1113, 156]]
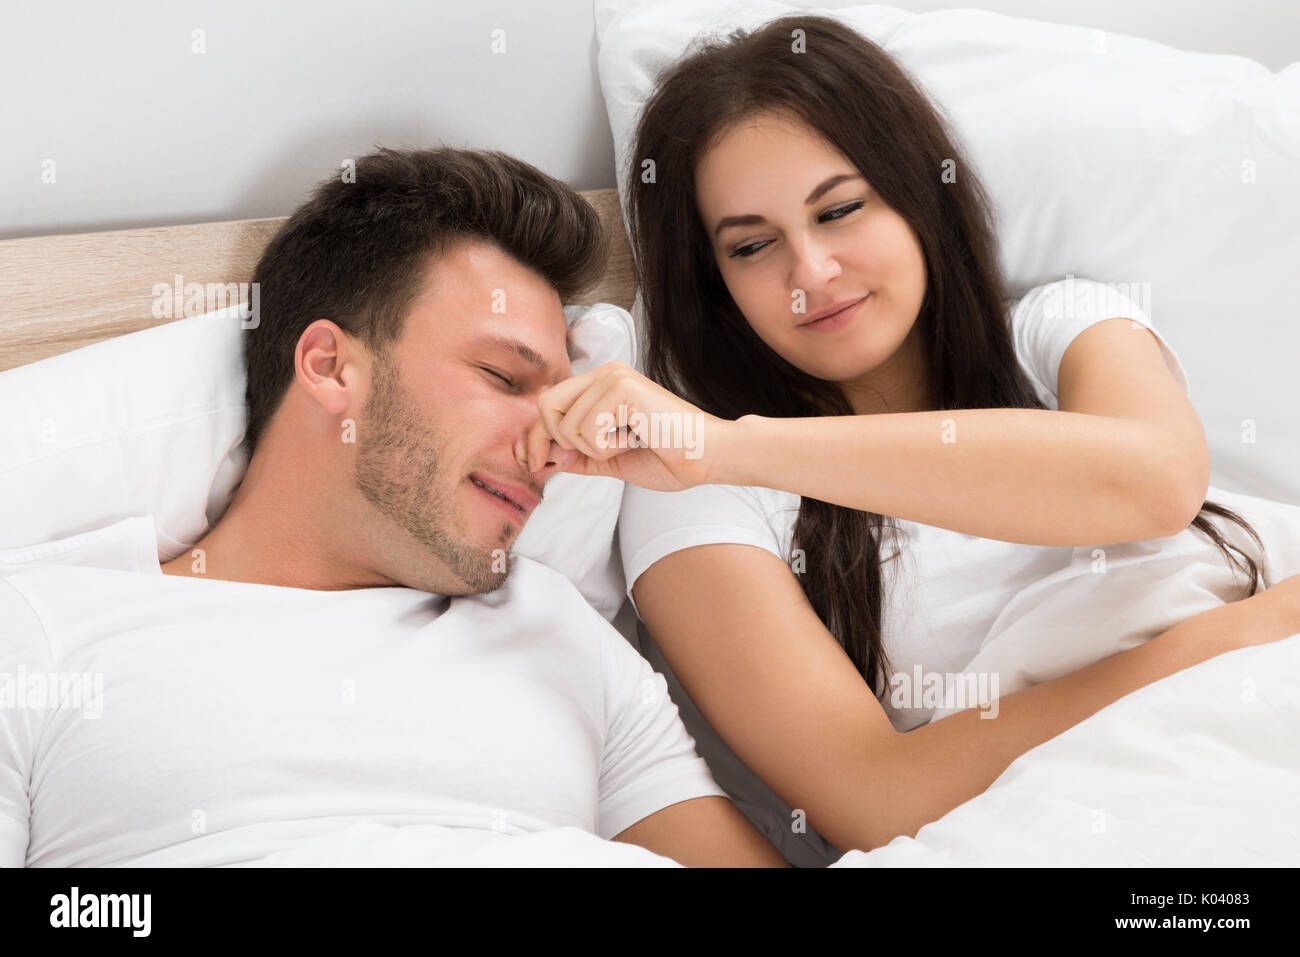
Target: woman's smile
[[836, 320]]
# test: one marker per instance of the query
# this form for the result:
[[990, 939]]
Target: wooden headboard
[[59, 293]]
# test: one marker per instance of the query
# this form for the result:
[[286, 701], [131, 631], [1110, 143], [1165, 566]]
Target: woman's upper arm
[[736, 628]]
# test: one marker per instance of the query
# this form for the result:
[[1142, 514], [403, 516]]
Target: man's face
[[450, 407]]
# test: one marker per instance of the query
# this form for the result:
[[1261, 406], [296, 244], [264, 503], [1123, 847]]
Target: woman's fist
[[623, 425]]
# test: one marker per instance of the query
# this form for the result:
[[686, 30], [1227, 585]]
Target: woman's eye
[[744, 252], [841, 211]]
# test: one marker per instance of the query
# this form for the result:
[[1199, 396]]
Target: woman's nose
[[815, 265]]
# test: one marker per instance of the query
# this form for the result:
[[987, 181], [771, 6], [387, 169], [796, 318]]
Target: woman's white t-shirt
[[940, 597]]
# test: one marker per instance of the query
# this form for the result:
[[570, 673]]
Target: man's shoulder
[[46, 575], [532, 581], [537, 593], [55, 595], [86, 559]]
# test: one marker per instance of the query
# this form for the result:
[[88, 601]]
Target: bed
[[1198, 768], [1201, 768]]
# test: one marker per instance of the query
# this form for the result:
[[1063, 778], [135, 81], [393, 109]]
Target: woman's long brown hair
[[700, 345]]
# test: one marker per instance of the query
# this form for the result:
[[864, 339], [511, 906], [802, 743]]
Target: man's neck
[[270, 535]]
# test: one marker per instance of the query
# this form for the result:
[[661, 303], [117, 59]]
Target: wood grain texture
[[59, 293]]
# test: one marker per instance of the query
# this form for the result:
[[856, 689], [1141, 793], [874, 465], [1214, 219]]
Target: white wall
[[144, 131]]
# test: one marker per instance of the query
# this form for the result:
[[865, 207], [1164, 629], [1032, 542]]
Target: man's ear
[[324, 363]]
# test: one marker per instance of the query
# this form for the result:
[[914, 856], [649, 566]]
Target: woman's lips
[[837, 319]]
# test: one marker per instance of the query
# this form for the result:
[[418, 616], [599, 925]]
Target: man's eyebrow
[[818, 192], [523, 350]]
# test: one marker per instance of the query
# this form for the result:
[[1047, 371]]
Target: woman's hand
[[624, 426], [1271, 614]]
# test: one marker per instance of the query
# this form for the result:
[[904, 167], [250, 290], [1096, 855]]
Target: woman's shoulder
[[1078, 301], [710, 502], [653, 524], [1046, 318]]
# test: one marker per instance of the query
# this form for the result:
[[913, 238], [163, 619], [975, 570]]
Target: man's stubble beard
[[397, 471]]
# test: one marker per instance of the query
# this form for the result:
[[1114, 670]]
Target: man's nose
[[548, 469], [555, 460]]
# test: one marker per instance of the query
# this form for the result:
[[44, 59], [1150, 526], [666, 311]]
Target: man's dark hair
[[357, 253]]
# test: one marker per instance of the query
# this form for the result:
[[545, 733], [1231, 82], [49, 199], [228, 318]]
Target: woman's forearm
[[938, 766], [1033, 476]]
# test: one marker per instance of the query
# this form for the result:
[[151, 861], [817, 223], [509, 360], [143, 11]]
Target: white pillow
[[151, 423], [1106, 156]]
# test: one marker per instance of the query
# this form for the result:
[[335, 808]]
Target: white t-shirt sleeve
[[24, 650], [1048, 318], [650, 760], [654, 524]]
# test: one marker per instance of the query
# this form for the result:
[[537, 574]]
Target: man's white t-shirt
[[940, 597], [211, 723]]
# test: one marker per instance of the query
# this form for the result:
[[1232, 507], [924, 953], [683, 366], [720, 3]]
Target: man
[[352, 641]]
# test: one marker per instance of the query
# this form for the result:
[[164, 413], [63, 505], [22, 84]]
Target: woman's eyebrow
[[818, 192]]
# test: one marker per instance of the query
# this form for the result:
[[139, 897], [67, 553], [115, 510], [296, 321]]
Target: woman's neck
[[901, 383]]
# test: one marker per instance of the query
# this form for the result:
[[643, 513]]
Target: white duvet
[[367, 844], [1199, 769]]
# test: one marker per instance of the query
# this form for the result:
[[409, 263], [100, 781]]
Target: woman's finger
[[555, 401], [578, 424]]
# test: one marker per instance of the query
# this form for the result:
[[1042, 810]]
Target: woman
[[774, 182]]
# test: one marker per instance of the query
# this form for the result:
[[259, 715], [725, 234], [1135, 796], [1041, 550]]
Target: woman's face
[[795, 231]]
